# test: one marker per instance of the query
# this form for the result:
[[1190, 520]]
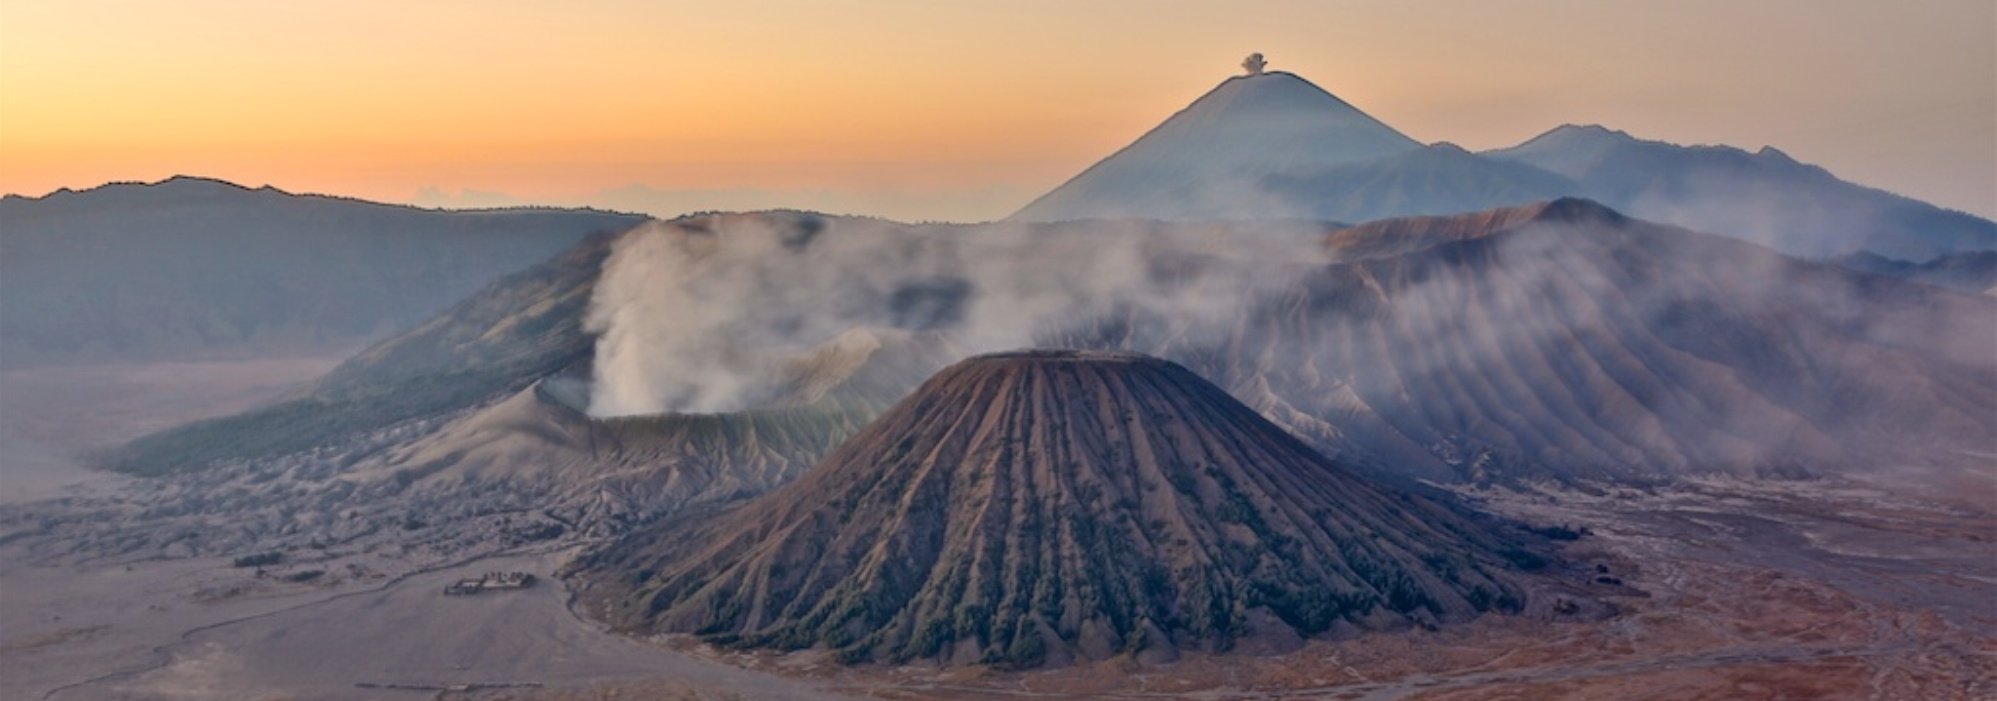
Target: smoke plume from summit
[[693, 315]]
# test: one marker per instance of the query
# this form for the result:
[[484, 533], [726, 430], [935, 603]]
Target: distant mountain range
[[190, 267], [1765, 196], [1276, 146], [1559, 339], [1555, 340]]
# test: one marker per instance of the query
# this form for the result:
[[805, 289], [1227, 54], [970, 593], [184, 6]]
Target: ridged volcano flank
[[1032, 507]]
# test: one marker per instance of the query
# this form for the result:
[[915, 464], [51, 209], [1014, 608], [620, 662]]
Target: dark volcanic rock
[[1034, 507]]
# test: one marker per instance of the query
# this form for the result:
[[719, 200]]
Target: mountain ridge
[[1765, 196], [185, 183], [189, 267]]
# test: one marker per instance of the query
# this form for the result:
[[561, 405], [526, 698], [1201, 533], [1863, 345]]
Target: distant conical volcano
[[1039, 506], [1205, 161]]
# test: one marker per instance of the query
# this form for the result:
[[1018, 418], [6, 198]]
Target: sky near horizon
[[937, 110]]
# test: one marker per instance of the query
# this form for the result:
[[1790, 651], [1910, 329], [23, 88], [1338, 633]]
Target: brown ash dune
[[1043, 506]]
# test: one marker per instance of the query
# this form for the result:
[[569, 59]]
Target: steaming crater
[[873, 365], [721, 313]]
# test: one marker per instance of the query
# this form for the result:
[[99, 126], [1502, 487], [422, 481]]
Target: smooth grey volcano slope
[[1438, 179], [1039, 506], [189, 266], [1207, 161]]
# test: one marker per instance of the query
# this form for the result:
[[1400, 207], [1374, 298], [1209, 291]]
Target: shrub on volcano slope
[[1036, 507]]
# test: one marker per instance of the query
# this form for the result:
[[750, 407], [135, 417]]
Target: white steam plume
[[693, 315]]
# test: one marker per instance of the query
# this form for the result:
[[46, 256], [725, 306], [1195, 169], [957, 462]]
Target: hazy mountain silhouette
[[190, 267], [1765, 197], [1277, 147], [1206, 161]]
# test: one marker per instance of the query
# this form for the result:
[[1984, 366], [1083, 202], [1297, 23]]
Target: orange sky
[[949, 110]]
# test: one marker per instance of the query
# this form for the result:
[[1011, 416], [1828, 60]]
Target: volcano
[[1037, 507], [1275, 146], [1207, 161]]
